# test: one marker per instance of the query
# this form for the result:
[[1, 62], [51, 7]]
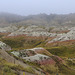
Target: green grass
[[71, 63], [65, 70], [20, 68], [22, 42], [4, 69], [9, 68], [63, 51]]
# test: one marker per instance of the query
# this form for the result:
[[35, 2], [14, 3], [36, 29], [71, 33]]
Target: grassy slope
[[4, 69], [22, 42], [13, 69], [62, 51]]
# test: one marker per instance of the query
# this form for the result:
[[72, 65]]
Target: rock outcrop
[[4, 46], [66, 36]]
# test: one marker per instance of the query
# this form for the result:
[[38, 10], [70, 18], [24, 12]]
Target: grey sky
[[28, 7]]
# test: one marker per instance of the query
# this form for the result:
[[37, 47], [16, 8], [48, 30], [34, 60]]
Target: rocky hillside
[[37, 44], [44, 50]]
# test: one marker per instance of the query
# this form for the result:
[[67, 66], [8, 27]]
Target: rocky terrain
[[32, 31], [47, 48], [66, 33], [33, 55]]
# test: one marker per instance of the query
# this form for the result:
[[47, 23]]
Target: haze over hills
[[40, 19], [6, 19], [37, 44], [37, 37]]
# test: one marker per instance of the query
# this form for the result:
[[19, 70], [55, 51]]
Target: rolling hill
[[39, 19]]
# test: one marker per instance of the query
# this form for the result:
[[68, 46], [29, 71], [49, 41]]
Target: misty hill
[[7, 18], [40, 19]]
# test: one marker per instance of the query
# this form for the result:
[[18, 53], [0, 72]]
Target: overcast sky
[[28, 7]]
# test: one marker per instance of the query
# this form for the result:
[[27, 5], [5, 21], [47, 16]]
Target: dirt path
[[11, 59]]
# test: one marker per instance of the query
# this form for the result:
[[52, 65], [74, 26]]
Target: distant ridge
[[8, 18], [40, 19]]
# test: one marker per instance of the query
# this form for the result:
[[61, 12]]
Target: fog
[[30, 7]]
